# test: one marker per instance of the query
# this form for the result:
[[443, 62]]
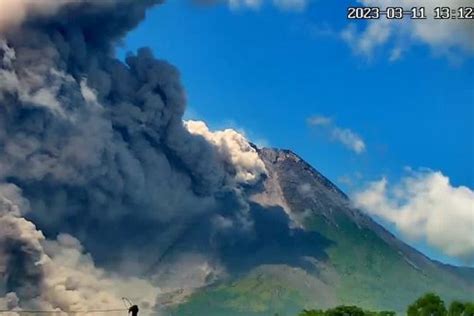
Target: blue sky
[[268, 71]]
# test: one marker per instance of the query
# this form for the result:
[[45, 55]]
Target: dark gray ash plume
[[96, 148]]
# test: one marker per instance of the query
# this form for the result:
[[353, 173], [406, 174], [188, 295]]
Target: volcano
[[106, 191], [332, 253]]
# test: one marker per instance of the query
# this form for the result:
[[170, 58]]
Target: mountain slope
[[355, 260]]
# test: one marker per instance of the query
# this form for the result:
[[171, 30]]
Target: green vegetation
[[461, 309], [344, 310], [254, 295], [360, 269], [429, 304], [368, 268]]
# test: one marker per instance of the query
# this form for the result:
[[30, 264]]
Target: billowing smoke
[[96, 148], [235, 148], [55, 275], [14, 12]]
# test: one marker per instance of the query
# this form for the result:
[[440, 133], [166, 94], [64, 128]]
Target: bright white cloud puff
[[425, 206]]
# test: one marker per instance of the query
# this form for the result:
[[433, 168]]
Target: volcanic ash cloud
[[95, 153]]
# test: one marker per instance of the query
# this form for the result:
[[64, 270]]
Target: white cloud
[[284, 5], [425, 206], [447, 37], [452, 37], [237, 4], [345, 136], [351, 180], [291, 5], [349, 139], [365, 42], [396, 54], [319, 120]]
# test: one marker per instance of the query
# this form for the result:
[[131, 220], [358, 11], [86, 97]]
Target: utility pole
[[134, 310]]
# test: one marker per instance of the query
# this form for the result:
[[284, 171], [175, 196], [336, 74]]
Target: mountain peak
[[302, 185], [322, 252]]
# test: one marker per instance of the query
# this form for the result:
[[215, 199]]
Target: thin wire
[[126, 300], [3, 311], [65, 312]]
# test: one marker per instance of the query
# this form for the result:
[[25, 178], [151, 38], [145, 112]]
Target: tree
[[468, 309], [345, 311], [456, 308], [312, 313], [429, 304]]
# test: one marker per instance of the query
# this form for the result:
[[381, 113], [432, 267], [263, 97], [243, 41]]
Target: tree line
[[429, 304]]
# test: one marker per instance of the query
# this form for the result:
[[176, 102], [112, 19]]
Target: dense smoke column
[[96, 148], [100, 138], [19, 259]]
